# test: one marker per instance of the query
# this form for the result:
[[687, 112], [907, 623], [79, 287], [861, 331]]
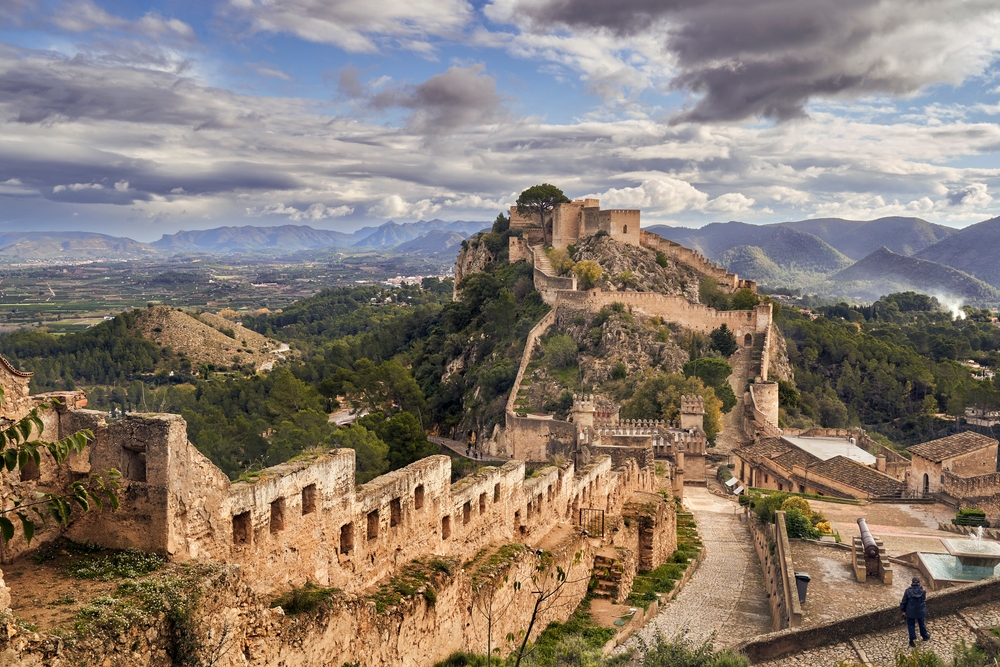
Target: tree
[[724, 341], [501, 224], [659, 397], [22, 449], [402, 433], [589, 272], [387, 388], [713, 372], [560, 351], [539, 200], [744, 299], [371, 453]]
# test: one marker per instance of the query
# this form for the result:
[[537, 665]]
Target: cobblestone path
[[726, 594], [879, 648]]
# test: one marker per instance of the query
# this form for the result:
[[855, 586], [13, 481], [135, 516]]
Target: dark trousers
[[910, 622]]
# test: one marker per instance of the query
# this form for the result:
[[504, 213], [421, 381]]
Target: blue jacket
[[914, 603]]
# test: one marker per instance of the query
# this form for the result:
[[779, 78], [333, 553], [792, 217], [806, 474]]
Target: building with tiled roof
[[963, 455], [826, 463]]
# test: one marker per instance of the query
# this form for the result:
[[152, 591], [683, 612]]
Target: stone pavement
[[731, 436], [880, 648], [725, 596]]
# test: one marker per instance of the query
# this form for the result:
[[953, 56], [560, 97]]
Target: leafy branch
[[19, 449]]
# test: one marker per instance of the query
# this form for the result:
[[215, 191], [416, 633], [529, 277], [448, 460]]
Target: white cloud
[[358, 27], [732, 202], [394, 206], [77, 187], [312, 214], [663, 194], [121, 186]]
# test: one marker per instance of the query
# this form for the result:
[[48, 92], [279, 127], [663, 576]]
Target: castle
[[307, 521]]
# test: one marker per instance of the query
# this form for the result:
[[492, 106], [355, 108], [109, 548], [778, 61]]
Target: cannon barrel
[[871, 549]]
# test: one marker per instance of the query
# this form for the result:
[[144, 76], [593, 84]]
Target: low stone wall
[[779, 572], [729, 282], [939, 603]]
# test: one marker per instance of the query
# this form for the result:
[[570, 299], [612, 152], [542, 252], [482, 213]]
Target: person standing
[[914, 608]]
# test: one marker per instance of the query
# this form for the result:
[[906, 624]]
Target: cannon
[[871, 549]]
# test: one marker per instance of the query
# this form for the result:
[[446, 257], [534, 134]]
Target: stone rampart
[[672, 308], [729, 282], [973, 491], [764, 396], [551, 286], [770, 541]]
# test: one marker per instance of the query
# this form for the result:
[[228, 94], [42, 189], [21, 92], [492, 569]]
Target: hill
[[435, 242], [68, 245], [792, 250], [395, 233], [858, 238], [752, 262], [286, 238], [208, 338], [884, 272], [972, 250]]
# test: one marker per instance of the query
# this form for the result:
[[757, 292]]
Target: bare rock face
[[472, 258], [780, 366], [629, 268]]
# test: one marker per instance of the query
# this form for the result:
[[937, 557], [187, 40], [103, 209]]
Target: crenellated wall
[[729, 282]]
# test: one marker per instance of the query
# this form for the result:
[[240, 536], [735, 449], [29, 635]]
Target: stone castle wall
[[729, 282]]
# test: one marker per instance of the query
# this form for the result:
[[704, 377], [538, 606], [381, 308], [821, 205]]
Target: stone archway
[[748, 340], [927, 483]]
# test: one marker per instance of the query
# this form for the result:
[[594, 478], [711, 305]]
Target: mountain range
[[882, 255], [431, 237]]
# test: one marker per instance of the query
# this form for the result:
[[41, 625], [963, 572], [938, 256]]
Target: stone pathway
[[880, 648], [731, 435], [725, 596]]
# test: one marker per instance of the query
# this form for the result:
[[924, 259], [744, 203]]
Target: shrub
[[798, 525], [796, 503], [661, 259], [303, 599]]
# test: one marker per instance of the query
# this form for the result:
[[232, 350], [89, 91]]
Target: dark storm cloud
[[769, 58], [458, 97], [50, 89]]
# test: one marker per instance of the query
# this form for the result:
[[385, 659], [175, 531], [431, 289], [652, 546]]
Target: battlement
[[692, 405]]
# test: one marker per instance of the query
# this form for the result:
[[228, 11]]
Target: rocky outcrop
[[634, 268], [472, 258]]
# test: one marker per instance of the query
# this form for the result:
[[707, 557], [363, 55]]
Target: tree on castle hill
[[659, 397], [539, 200], [714, 373], [589, 272], [743, 299], [371, 453], [724, 341], [22, 451]]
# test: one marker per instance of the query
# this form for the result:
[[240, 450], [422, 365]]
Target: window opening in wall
[[395, 512], [347, 538], [496, 493], [241, 528], [30, 472], [466, 512], [482, 503], [278, 515], [134, 464], [548, 493], [418, 497], [310, 496], [445, 527], [373, 524], [624, 229]]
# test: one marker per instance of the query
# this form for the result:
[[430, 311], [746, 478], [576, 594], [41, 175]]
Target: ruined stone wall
[[16, 393], [973, 464], [981, 492], [551, 287], [671, 308], [518, 249], [729, 282]]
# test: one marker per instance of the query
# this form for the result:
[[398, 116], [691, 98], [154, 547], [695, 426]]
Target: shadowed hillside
[[884, 271], [973, 250]]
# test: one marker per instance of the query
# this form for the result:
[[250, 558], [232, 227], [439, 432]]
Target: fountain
[[967, 560]]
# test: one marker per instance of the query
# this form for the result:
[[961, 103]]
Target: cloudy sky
[[141, 119]]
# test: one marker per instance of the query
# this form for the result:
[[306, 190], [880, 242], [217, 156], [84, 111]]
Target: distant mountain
[[68, 245], [749, 261], [884, 271], [435, 242], [973, 250], [791, 250], [858, 238], [286, 238], [393, 233]]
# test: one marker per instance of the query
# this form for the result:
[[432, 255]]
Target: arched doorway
[[927, 483], [624, 229], [748, 340]]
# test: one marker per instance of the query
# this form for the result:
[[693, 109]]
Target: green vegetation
[[538, 200], [723, 341], [662, 579], [971, 517], [889, 366], [659, 397], [113, 564], [801, 522], [303, 599], [417, 577], [713, 373]]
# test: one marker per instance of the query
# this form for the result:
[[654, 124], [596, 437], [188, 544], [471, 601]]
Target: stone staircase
[[613, 580], [756, 354], [542, 262]]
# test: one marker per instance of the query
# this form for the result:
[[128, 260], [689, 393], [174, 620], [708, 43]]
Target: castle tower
[[583, 411], [692, 413]]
